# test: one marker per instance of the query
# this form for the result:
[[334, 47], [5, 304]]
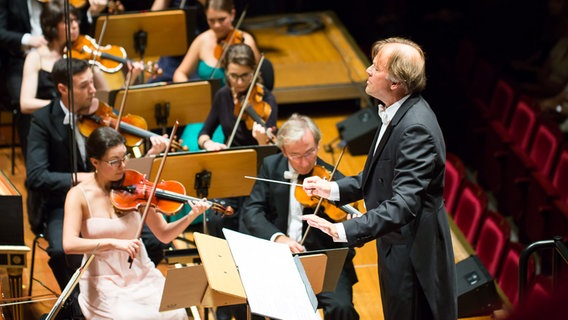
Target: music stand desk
[[167, 31], [214, 283], [228, 170], [334, 261], [189, 101]]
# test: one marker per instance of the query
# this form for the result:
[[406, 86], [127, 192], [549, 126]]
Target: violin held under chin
[[109, 58], [256, 110]]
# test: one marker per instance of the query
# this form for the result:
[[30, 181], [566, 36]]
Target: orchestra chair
[[500, 137], [267, 74], [508, 279], [470, 210], [540, 157], [492, 241], [546, 215], [35, 245], [540, 288], [453, 180]]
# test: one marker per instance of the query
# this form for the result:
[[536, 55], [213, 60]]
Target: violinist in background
[[37, 86], [169, 64], [110, 288], [239, 65], [50, 166], [273, 210], [204, 53]]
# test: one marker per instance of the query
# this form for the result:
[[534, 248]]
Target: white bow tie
[[290, 175], [383, 114]]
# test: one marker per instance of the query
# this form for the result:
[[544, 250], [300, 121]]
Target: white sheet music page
[[270, 277]]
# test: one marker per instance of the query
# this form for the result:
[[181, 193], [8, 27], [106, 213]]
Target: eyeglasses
[[117, 162], [245, 77], [307, 154]]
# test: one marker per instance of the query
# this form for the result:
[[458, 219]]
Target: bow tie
[[383, 114], [290, 175]]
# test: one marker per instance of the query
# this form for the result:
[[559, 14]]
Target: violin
[[336, 213], [133, 191], [132, 127], [257, 110], [234, 36], [109, 58]]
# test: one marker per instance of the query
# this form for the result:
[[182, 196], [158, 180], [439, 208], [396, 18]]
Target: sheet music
[[271, 278]]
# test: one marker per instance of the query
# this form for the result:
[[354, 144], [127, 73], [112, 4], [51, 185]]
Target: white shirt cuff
[[26, 39], [276, 235], [334, 192], [341, 236]]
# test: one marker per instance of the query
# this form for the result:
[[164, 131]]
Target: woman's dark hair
[[52, 14], [102, 139], [59, 71], [240, 54]]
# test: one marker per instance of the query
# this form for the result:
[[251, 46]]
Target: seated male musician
[[272, 211], [49, 164]]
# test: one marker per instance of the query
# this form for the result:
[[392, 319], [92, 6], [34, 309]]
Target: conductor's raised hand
[[322, 224], [316, 186]]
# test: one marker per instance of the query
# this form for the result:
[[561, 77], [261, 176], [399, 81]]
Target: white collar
[[391, 110]]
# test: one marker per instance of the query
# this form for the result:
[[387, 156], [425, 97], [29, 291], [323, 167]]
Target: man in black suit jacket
[[402, 185], [272, 212]]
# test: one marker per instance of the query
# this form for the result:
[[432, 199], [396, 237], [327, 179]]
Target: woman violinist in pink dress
[[110, 288]]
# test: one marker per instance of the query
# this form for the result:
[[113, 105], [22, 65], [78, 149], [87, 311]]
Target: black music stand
[[154, 33], [335, 259], [186, 102]]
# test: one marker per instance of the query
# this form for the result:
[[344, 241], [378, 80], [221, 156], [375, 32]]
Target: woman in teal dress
[[201, 57]]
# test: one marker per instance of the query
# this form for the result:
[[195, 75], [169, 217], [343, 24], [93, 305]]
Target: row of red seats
[[520, 156], [489, 233]]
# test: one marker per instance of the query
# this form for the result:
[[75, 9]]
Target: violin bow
[[99, 41], [123, 102], [243, 105], [226, 44], [321, 198], [154, 187]]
